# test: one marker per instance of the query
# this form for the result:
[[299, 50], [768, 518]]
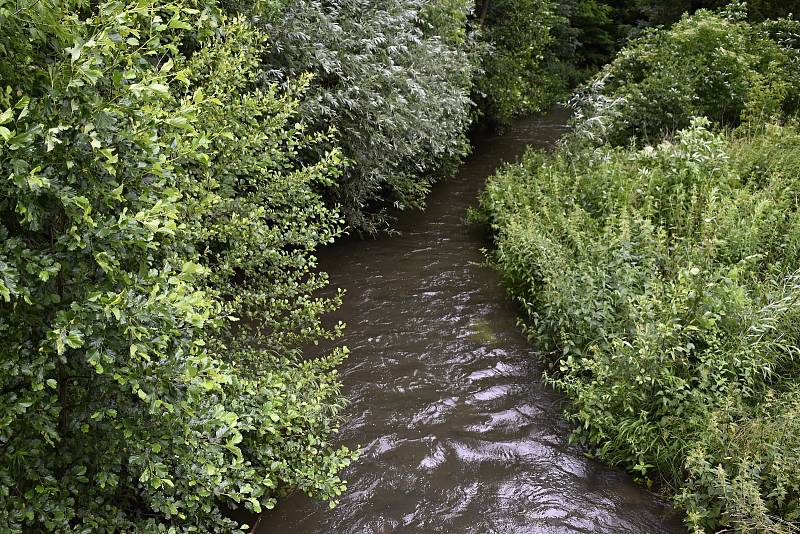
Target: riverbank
[[445, 394]]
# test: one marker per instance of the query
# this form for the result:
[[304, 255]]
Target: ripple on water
[[508, 420], [500, 369], [436, 458], [435, 412], [493, 393], [459, 435]]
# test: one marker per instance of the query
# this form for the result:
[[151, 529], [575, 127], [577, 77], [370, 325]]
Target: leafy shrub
[[708, 64], [631, 16], [514, 80], [766, 9], [393, 78], [584, 35], [156, 274], [758, 10], [662, 285]]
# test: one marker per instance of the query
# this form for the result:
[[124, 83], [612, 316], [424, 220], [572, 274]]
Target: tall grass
[[663, 287]]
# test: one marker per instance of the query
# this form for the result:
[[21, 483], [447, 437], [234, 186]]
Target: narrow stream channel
[[459, 434]]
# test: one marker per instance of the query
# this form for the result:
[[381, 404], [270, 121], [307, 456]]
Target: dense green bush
[[514, 80], [583, 34], [394, 79], [758, 10], [663, 286], [713, 65], [156, 274], [632, 16]]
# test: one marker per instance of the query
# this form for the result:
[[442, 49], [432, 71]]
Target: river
[[458, 433]]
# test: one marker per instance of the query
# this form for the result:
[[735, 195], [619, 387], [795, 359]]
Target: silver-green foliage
[[663, 286], [157, 276], [393, 78]]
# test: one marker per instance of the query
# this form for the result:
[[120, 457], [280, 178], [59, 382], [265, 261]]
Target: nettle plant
[[157, 275], [661, 285], [394, 79]]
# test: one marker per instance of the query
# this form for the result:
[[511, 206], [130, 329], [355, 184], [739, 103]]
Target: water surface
[[458, 433]]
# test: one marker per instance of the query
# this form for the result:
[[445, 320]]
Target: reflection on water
[[458, 433]]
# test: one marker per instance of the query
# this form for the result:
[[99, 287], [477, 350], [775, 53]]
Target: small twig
[[20, 10]]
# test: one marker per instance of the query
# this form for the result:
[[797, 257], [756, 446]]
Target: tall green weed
[[661, 285]]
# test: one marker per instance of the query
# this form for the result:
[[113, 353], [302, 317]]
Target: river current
[[458, 433]]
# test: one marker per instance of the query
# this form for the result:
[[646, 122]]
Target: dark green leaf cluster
[[585, 34], [715, 65], [514, 80], [757, 10], [157, 276]]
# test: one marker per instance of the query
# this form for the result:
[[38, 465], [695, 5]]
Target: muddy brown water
[[458, 433]]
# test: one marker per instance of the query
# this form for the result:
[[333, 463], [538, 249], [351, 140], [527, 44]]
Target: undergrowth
[[662, 285]]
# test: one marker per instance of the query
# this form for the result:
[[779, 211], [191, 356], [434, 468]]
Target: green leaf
[[176, 23], [159, 88], [180, 122], [6, 116], [74, 339]]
